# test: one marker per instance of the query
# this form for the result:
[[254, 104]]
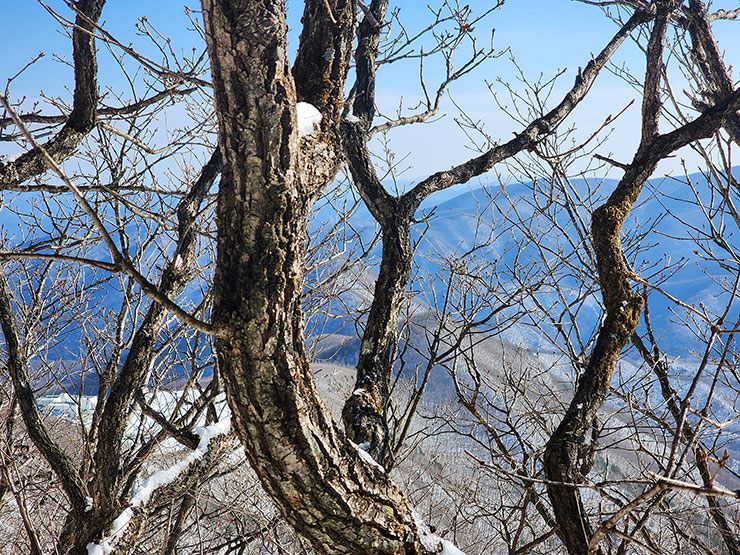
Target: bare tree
[[364, 411], [565, 450], [228, 299], [61, 339]]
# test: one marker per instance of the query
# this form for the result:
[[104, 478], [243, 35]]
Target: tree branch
[[17, 366], [82, 118], [527, 138]]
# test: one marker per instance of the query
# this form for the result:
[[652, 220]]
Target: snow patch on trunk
[[308, 117], [367, 457]]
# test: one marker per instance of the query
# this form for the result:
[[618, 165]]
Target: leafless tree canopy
[[248, 333]]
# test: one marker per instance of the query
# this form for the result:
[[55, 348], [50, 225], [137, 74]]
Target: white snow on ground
[[156, 480], [431, 541], [72, 407], [308, 118], [68, 406]]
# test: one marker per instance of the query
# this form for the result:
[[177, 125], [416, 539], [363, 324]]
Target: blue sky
[[545, 36]]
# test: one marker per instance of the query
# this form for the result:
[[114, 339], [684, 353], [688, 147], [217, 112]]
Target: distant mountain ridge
[[451, 229]]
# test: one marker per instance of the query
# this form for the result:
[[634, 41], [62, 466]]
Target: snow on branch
[[157, 480], [431, 541], [362, 449]]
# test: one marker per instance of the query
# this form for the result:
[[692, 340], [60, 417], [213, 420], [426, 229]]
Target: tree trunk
[[364, 412], [339, 502]]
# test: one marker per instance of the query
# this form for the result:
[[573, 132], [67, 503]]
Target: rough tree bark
[[341, 503], [708, 57], [364, 412]]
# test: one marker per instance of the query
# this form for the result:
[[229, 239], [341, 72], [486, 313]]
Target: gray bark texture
[[316, 478]]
